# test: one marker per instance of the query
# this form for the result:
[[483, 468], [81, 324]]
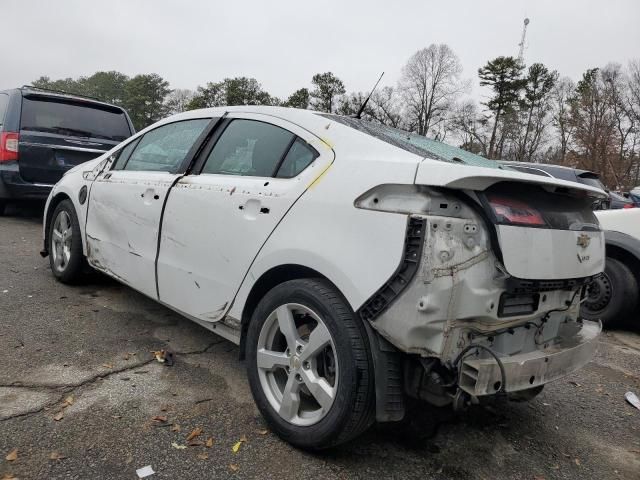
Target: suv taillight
[[515, 212], [8, 146]]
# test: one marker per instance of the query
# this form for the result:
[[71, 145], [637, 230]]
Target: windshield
[[74, 119]]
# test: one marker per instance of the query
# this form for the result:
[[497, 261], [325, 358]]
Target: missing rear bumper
[[574, 348]]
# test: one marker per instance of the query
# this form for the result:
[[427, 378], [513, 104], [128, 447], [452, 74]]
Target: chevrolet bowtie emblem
[[583, 240]]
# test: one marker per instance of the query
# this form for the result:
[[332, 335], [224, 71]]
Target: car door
[[126, 201], [216, 220]]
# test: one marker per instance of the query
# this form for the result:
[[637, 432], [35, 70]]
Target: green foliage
[[298, 99], [326, 88], [231, 91], [144, 99]]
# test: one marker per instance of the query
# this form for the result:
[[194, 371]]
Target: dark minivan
[[44, 133]]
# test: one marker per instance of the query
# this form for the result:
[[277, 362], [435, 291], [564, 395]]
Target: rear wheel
[[613, 296], [309, 365], [3, 206], [65, 244]]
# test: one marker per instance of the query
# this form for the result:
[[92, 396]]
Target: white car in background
[[613, 296], [354, 264]]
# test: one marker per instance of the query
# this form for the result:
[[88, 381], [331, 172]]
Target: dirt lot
[[78, 379]]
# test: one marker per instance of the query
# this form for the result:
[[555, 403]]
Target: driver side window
[[162, 149]]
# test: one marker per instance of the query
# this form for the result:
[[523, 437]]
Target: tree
[[107, 86], [386, 108], [144, 99], [593, 121], [178, 100], [534, 109], [231, 91], [326, 88], [504, 76], [68, 85], [298, 99], [429, 84], [561, 96]]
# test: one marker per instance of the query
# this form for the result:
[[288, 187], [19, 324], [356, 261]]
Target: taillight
[[514, 212], [629, 205], [8, 146]]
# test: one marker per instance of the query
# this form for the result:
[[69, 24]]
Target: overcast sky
[[283, 43]]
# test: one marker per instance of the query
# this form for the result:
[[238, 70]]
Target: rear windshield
[[592, 180], [73, 119], [414, 143]]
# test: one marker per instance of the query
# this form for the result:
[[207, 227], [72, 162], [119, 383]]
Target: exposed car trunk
[[58, 134], [545, 235], [545, 227]]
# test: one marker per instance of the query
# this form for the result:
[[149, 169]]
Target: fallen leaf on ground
[[107, 365], [209, 442], [179, 447], [243, 438], [575, 384], [195, 443], [159, 354], [194, 433], [56, 456], [577, 460], [68, 401], [263, 432], [538, 477], [159, 418], [234, 468], [236, 447], [12, 456], [116, 416], [203, 456], [634, 451], [9, 476], [58, 416], [175, 427]]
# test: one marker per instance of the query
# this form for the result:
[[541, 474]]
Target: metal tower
[[521, 44]]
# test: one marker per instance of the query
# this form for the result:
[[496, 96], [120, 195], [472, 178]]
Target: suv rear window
[[74, 119]]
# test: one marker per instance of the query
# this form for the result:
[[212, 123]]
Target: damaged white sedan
[[355, 264]]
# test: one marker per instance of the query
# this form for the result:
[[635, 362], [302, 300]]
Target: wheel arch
[[51, 207], [624, 248], [268, 280]]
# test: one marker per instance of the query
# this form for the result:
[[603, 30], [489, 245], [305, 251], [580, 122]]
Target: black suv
[[44, 133]]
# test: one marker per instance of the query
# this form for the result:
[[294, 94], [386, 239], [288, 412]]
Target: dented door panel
[[122, 225]]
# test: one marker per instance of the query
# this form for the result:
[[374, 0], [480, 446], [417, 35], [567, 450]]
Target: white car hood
[[467, 177]]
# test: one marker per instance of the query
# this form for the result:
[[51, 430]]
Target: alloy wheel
[[297, 364], [61, 237]]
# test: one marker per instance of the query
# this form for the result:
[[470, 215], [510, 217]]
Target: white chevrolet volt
[[356, 265]]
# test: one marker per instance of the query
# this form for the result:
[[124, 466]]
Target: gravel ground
[[79, 381]]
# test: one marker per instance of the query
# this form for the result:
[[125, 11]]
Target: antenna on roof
[[364, 104]]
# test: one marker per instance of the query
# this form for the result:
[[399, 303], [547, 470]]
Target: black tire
[[3, 207], [73, 270], [613, 297], [353, 408]]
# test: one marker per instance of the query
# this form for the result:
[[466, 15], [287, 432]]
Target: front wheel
[[65, 244], [613, 296], [309, 365]]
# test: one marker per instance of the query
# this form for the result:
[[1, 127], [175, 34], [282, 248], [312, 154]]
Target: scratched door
[[216, 222]]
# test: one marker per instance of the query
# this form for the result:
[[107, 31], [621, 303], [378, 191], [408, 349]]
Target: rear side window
[[164, 148], [299, 157], [74, 119], [249, 147], [4, 102]]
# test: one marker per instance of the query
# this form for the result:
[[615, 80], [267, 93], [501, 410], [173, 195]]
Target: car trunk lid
[[545, 227]]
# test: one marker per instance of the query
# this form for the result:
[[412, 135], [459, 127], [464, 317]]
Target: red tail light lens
[[629, 205], [515, 212], [8, 146]]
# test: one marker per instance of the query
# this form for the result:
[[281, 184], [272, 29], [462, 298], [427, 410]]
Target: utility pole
[[521, 44]]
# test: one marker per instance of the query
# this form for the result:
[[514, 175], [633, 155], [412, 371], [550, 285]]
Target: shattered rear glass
[[414, 143]]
